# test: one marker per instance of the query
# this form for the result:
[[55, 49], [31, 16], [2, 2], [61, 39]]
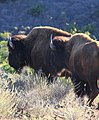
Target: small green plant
[[87, 29], [4, 57], [36, 10], [5, 35]]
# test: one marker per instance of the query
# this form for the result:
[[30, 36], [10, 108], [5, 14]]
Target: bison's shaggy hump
[[42, 35], [53, 29], [80, 38], [46, 31]]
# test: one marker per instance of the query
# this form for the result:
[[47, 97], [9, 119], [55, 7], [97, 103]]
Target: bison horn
[[10, 43], [51, 43]]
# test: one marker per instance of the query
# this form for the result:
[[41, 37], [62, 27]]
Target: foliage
[[36, 10], [4, 57], [5, 35], [87, 29], [35, 100]]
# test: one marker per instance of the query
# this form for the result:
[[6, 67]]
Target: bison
[[57, 52], [37, 51], [83, 62]]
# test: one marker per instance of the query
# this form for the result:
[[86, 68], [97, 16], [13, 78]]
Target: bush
[[36, 10], [39, 101], [87, 29], [4, 57]]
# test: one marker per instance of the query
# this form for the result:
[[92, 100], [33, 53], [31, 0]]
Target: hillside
[[18, 15]]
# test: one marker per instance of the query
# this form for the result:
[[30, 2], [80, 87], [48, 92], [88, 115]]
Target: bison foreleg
[[92, 96], [78, 85]]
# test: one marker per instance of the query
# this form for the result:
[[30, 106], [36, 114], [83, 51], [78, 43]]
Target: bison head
[[58, 42], [58, 45], [16, 49]]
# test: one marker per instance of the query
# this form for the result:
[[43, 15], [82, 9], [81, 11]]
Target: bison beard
[[34, 50]]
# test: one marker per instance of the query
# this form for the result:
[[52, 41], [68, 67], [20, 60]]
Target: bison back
[[86, 61]]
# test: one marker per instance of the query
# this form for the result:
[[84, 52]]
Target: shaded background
[[16, 15]]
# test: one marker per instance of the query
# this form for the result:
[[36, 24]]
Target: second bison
[[82, 60], [84, 64]]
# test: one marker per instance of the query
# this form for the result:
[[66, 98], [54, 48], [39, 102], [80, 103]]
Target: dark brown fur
[[34, 50], [84, 64]]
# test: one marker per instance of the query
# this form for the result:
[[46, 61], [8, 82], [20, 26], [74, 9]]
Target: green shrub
[[4, 57], [87, 29], [36, 10], [5, 35]]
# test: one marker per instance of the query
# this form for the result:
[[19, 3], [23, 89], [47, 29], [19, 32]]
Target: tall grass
[[35, 100]]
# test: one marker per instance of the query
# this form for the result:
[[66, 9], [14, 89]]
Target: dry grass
[[28, 97]]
